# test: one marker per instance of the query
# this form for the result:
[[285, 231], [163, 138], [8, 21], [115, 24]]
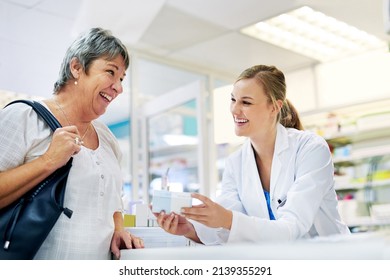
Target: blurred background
[[173, 121]]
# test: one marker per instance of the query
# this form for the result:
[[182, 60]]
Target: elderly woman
[[90, 79]]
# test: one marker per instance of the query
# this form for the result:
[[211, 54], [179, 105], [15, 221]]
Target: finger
[[160, 218], [201, 211], [175, 222], [70, 128], [127, 238], [202, 198], [199, 218], [116, 252], [167, 222], [138, 243], [196, 206], [77, 149]]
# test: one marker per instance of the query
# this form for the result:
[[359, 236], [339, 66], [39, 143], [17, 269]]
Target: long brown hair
[[274, 85]]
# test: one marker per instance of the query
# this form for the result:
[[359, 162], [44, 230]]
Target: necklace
[[66, 117]]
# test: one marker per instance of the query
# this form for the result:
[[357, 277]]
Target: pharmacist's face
[[253, 114]]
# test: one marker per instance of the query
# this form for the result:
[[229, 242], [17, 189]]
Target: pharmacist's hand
[[173, 223], [208, 213], [123, 239]]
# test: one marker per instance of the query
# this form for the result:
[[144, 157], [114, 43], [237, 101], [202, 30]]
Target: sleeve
[[229, 199], [313, 177], [21, 131]]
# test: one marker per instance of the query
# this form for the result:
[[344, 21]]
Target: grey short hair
[[94, 44]]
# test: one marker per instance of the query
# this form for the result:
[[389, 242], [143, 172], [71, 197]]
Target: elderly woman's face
[[103, 83]]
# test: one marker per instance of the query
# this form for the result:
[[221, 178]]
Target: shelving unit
[[359, 139]]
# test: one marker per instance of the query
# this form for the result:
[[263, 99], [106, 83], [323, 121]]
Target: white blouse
[[94, 186]]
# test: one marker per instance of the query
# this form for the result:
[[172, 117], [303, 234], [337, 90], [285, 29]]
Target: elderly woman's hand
[[123, 239]]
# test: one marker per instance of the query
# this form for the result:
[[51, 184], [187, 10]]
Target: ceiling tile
[[38, 29], [173, 29], [127, 19], [8, 13], [232, 14], [25, 3], [66, 9], [234, 52]]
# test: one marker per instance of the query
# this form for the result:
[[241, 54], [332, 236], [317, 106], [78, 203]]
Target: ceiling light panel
[[314, 34]]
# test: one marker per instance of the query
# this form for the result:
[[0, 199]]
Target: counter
[[358, 246]]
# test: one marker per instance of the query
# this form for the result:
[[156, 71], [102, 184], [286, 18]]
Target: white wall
[[355, 80], [301, 89]]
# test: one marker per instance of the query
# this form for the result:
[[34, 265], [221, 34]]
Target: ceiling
[[202, 34]]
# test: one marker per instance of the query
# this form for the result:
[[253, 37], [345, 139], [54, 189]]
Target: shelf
[[359, 135], [362, 155], [368, 222], [359, 186], [173, 150]]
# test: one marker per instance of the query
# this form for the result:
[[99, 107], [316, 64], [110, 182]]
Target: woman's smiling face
[[252, 111], [103, 82]]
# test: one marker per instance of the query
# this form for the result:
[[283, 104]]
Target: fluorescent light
[[314, 34]]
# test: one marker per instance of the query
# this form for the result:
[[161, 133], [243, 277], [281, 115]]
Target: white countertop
[[362, 246]]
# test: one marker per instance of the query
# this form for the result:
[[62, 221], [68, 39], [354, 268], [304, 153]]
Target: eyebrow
[[116, 67], [245, 97]]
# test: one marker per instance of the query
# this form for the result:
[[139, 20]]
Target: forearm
[[17, 181], [227, 220], [118, 221]]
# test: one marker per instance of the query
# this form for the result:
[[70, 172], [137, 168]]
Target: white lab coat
[[302, 193]]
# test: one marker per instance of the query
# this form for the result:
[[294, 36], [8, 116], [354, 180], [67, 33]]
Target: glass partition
[[173, 149], [173, 146]]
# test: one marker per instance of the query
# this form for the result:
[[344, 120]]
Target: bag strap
[[42, 112]]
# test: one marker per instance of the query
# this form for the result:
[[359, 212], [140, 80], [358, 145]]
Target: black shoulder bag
[[25, 224]]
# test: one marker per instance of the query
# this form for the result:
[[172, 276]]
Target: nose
[[234, 108], [117, 86]]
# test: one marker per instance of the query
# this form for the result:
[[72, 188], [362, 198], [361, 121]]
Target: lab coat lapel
[[281, 144], [252, 190]]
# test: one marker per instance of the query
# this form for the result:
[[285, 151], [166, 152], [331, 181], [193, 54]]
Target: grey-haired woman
[[90, 79]]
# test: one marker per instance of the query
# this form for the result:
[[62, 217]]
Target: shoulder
[[308, 142], [16, 109], [304, 137], [102, 128], [104, 132], [107, 138], [19, 115]]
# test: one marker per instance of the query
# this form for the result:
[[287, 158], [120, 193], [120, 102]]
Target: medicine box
[[170, 201]]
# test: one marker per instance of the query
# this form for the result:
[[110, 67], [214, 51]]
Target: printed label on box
[[170, 201]]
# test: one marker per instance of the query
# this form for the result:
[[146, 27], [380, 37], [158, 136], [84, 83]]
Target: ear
[[278, 106], [75, 67]]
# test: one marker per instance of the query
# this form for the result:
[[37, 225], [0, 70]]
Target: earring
[[75, 83]]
